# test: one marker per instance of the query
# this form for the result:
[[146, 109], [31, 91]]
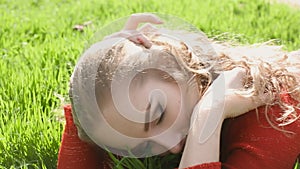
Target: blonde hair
[[270, 71]]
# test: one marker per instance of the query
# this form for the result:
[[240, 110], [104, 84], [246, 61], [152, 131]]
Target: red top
[[248, 142]]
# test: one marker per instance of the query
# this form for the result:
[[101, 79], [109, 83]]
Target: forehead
[[162, 56]]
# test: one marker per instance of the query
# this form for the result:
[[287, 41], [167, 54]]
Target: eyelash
[[161, 116]]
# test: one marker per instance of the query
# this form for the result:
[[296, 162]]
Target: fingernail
[[148, 45], [140, 40]]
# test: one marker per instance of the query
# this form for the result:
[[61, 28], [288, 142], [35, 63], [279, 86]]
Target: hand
[[227, 97], [130, 29], [223, 96], [220, 101]]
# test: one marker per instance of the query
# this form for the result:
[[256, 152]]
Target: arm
[[219, 102], [249, 141], [76, 154]]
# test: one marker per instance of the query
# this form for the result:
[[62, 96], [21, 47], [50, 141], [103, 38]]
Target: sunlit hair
[[271, 72]]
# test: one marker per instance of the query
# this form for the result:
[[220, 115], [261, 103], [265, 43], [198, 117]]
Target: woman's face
[[164, 107]]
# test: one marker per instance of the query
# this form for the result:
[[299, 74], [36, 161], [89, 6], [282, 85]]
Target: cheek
[[173, 111], [177, 116]]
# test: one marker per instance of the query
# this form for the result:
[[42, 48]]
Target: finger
[[133, 36], [144, 41], [140, 39], [234, 78], [124, 34], [135, 19], [147, 28], [240, 72]]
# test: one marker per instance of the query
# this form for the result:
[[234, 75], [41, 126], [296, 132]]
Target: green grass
[[38, 50]]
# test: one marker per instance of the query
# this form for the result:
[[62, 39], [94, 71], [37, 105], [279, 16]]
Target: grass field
[[39, 48]]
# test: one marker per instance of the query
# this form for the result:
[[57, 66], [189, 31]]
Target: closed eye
[[158, 109], [162, 114], [147, 118]]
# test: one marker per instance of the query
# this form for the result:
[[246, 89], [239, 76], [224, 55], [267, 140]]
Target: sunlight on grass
[[39, 48]]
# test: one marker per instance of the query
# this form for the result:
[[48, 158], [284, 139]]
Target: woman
[[151, 92]]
